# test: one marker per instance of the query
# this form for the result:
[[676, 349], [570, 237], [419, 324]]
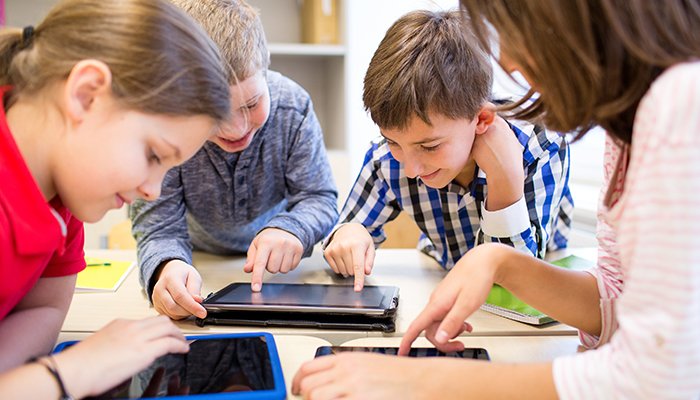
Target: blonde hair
[[236, 28], [161, 61], [427, 62]]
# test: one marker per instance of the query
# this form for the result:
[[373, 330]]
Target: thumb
[[194, 284]]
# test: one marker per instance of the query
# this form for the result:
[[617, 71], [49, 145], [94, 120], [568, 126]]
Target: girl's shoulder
[[677, 82], [668, 112]]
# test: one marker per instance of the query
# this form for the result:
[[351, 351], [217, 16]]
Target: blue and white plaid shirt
[[453, 219]]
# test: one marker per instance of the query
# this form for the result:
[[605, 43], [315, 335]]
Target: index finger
[[259, 268], [250, 258], [358, 267], [421, 323]]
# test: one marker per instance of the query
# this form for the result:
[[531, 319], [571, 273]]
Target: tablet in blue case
[[235, 366]]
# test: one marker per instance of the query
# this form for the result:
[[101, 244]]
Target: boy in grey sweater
[[262, 186]]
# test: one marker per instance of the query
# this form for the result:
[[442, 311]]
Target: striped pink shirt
[[649, 258]]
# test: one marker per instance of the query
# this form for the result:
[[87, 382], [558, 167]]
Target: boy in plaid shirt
[[465, 175]]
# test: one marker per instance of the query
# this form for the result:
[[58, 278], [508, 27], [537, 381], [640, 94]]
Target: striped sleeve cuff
[[506, 222], [607, 314]]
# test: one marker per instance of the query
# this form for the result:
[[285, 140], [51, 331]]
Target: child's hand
[[461, 293], [177, 291], [116, 352], [275, 250], [355, 375], [499, 154], [351, 253]]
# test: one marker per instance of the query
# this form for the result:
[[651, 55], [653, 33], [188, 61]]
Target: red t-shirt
[[37, 239]]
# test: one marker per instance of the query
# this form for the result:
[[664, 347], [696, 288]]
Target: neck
[[35, 132], [465, 177]]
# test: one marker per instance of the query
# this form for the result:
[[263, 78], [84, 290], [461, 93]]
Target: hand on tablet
[[177, 291], [457, 297], [351, 253], [365, 376], [116, 352], [275, 250]]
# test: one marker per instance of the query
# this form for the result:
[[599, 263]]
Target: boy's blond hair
[[236, 28], [428, 62]]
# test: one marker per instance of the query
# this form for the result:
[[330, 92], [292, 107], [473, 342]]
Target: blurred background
[[326, 45]]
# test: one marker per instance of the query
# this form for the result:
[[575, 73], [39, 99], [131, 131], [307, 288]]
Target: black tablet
[[473, 353], [305, 298], [238, 366]]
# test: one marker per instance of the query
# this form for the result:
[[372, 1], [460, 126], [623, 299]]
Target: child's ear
[[484, 119], [87, 80]]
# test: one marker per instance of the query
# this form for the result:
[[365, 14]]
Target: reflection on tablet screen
[[305, 295], [474, 353], [211, 366]]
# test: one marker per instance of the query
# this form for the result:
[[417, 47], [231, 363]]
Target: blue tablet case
[[277, 393]]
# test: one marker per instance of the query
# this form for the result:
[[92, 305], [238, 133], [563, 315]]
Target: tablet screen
[[474, 353], [308, 295], [211, 366]]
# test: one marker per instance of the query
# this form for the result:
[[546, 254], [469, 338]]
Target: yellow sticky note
[[102, 274]]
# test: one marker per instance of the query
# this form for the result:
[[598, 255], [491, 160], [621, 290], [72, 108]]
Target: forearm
[[28, 381], [42, 324], [461, 379], [32, 327], [570, 297], [504, 189]]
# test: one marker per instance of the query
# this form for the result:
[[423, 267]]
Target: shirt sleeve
[[608, 270], [655, 351], [370, 201], [312, 195], [527, 224], [160, 229], [72, 259]]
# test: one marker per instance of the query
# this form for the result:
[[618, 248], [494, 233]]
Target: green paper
[[515, 308]]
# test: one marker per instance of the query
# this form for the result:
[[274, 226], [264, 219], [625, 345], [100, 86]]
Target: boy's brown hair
[[426, 63], [236, 28], [593, 60]]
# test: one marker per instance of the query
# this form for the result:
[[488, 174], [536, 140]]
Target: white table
[[413, 272]]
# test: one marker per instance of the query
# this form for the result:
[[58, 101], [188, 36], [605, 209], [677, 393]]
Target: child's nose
[[412, 167], [240, 123], [150, 190]]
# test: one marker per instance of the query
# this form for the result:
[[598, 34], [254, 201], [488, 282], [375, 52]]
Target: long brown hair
[[161, 61], [591, 61]]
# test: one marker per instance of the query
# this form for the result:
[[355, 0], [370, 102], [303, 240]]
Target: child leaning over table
[[462, 173], [262, 185], [85, 126]]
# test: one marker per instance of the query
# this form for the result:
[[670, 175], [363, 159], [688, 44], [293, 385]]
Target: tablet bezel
[[279, 391], [388, 304], [323, 351]]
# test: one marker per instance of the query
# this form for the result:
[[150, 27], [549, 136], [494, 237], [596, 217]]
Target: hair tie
[[27, 36]]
